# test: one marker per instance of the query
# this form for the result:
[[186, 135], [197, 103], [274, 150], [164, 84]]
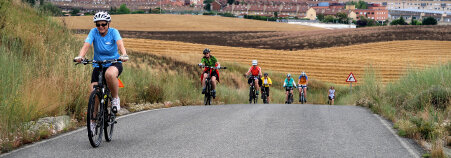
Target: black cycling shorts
[[266, 90], [249, 81], [288, 88], [330, 98], [96, 71], [213, 73]]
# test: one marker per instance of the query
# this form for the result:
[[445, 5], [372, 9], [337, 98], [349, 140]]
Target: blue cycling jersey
[[105, 48], [289, 83]]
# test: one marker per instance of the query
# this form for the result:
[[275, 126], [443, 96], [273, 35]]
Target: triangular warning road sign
[[351, 78]]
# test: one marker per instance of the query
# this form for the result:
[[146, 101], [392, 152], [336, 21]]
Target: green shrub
[[429, 21], [437, 96], [425, 128], [153, 94]]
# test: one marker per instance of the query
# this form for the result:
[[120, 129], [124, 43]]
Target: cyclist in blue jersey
[[106, 42], [289, 84]]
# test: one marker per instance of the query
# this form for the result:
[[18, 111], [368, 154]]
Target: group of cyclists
[[255, 76], [107, 41]]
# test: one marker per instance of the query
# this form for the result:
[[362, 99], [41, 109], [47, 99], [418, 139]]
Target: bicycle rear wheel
[[110, 120], [95, 115]]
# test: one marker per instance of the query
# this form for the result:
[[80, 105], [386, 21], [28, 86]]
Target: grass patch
[[418, 103]]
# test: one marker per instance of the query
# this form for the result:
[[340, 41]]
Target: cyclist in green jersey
[[209, 61]]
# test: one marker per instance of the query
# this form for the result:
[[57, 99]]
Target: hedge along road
[[272, 130]]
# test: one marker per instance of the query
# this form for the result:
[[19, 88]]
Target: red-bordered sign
[[351, 78]]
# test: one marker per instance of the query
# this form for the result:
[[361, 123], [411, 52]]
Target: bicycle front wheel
[[95, 119], [110, 120]]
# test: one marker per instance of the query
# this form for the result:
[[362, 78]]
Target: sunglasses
[[205, 53], [103, 25]]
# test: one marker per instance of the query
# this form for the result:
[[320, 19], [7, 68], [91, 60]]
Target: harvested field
[[301, 39], [390, 59], [170, 22]]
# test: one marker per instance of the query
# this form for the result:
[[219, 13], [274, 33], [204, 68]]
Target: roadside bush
[[425, 128], [153, 94]]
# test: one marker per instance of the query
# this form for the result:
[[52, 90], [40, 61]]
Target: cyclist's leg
[[305, 91], [203, 79], [299, 89], [267, 94], [256, 84], [286, 94], [111, 75], [213, 82]]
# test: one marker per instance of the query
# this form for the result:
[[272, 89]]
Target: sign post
[[351, 79]]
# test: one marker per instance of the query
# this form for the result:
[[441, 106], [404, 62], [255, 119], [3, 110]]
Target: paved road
[[237, 131]]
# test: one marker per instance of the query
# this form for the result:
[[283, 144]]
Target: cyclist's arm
[[84, 50], [248, 72], [203, 61], [121, 46], [294, 84], [285, 83], [269, 81]]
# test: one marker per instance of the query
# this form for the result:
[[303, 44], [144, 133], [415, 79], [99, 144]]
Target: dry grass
[[169, 22], [390, 59]]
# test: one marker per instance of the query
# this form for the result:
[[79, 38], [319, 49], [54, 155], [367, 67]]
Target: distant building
[[375, 14], [409, 14], [427, 5]]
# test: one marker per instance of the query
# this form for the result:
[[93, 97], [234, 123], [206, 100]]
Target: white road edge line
[[72, 132], [404, 144]]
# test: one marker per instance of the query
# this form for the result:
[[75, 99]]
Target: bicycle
[[302, 95], [290, 95], [102, 114], [208, 94], [253, 96], [264, 95]]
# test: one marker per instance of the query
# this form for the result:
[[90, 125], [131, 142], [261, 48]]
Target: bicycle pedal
[[114, 109], [114, 122]]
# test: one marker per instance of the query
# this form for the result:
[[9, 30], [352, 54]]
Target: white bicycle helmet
[[288, 75], [303, 74], [102, 16], [254, 62]]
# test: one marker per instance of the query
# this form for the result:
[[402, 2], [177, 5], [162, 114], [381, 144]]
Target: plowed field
[[390, 59]]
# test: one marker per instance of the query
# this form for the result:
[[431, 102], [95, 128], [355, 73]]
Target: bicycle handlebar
[[87, 61]]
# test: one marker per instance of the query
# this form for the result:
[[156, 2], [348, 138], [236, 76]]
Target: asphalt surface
[[237, 131]]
